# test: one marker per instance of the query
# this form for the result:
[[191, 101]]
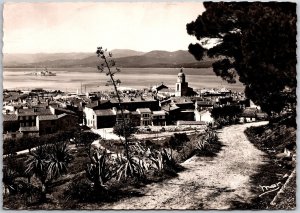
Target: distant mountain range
[[123, 58]]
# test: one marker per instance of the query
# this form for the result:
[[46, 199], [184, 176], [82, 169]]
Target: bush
[[177, 141], [26, 142], [208, 144], [129, 128], [81, 191]]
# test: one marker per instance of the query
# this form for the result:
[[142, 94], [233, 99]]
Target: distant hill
[[123, 58], [119, 53]]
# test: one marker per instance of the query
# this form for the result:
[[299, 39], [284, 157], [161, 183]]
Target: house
[[29, 131], [146, 118], [135, 118], [103, 118], [172, 112], [204, 115], [46, 124], [159, 118], [27, 117], [119, 117], [66, 121], [133, 103], [248, 115], [10, 123], [203, 105]]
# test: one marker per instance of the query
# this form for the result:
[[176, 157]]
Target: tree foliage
[[129, 128], [256, 43]]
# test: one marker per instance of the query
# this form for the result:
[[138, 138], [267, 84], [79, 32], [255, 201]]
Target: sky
[[81, 27]]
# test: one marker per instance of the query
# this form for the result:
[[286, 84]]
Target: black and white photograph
[[149, 105]]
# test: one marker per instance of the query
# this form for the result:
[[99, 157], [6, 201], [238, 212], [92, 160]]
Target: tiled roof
[[10, 117], [28, 129], [168, 108], [104, 112], [36, 111], [125, 111], [143, 110], [64, 114], [133, 99], [47, 117], [67, 111], [161, 112], [249, 112], [181, 100], [204, 103]]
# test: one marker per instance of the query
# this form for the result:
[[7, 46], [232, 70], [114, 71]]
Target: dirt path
[[207, 183]]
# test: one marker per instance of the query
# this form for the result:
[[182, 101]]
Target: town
[[39, 112]]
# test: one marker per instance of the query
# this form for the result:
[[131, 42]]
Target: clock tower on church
[[181, 87]]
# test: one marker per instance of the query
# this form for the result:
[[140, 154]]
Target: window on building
[[177, 87]]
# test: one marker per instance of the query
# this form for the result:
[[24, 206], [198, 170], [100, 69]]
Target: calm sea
[[89, 79]]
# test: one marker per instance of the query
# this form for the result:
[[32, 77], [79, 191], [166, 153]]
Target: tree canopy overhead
[[256, 44]]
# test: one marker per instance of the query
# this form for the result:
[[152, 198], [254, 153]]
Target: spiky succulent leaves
[[8, 178], [59, 160], [37, 163], [98, 170], [130, 168], [125, 168], [202, 144], [168, 159], [158, 162]]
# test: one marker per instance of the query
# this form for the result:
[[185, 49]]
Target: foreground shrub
[[47, 163], [134, 168], [177, 141], [81, 191], [99, 171], [208, 144]]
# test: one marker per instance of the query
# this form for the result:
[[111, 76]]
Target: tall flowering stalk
[[108, 66]]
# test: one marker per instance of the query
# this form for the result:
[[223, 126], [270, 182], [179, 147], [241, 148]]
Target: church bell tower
[[181, 87]]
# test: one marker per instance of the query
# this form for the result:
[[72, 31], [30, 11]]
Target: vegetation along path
[[207, 182]]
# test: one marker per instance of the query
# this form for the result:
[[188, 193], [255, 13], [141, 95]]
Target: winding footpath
[[207, 183]]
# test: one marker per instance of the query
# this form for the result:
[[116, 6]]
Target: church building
[[181, 86]]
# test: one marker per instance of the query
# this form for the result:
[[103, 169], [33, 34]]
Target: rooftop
[[47, 117], [143, 110], [104, 112], [34, 111], [10, 117], [157, 113], [28, 129]]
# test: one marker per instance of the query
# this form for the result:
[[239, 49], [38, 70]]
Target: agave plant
[[8, 180], [130, 168], [202, 144], [37, 165], [167, 157], [99, 171], [158, 162], [59, 159]]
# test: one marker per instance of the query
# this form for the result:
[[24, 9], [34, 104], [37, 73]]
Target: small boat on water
[[45, 72]]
